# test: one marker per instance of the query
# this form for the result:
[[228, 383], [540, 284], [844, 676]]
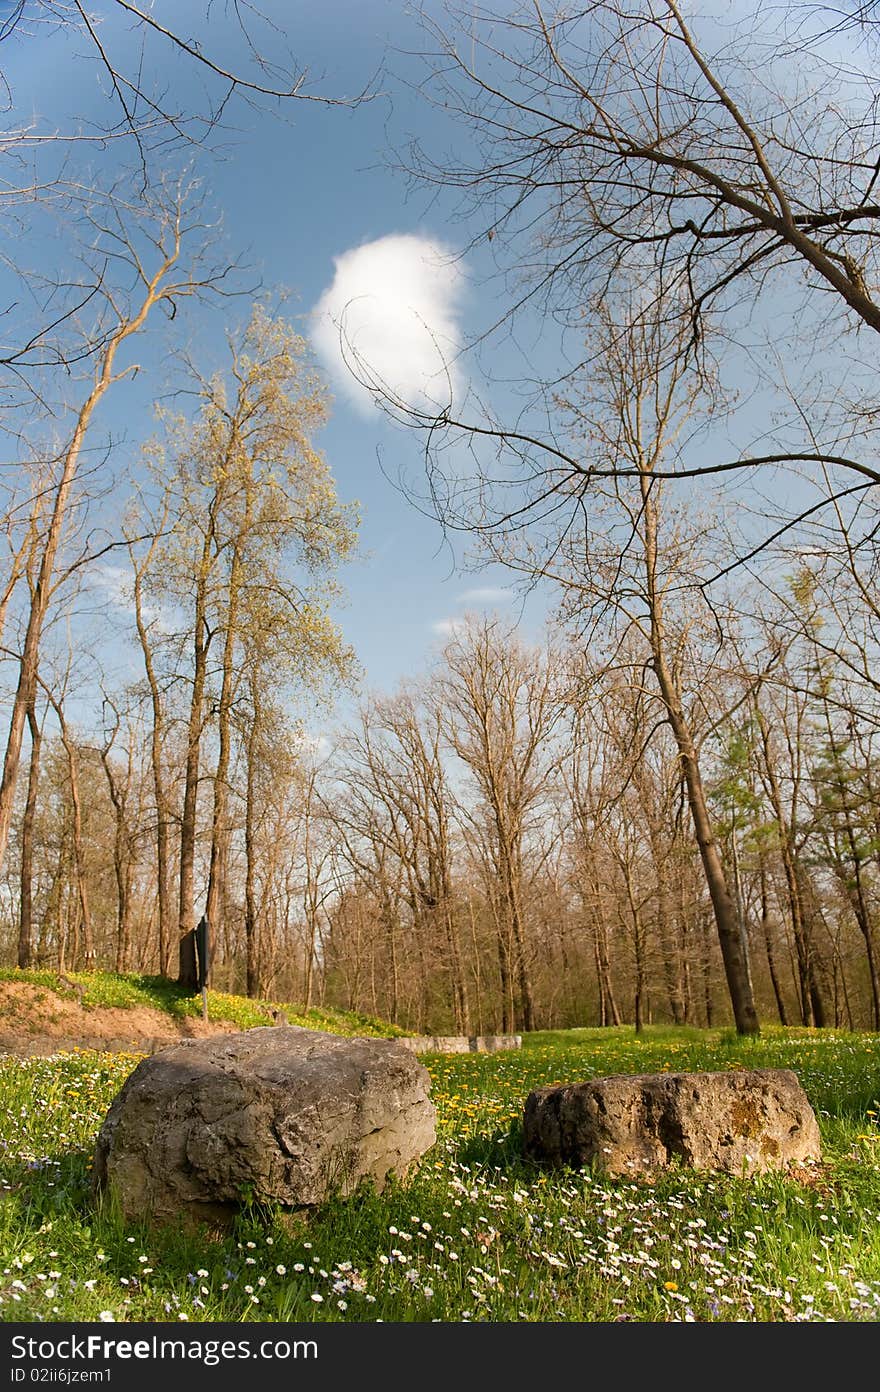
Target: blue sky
[[312, 201], [310, 197]]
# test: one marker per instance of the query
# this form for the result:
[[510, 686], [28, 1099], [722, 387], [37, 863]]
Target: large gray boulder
[[741, 1121], [279, 1114]]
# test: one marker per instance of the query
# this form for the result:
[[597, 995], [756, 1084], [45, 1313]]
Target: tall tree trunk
[[813, 1010], [26, 688], [609, 1014], [600, 985], [856, 892], [25, 921], [311, 952], [733, 955], [523, 979], [851, 873], [478, 974], [612, 1009], [253, 954], [806, 899], [670, 960], [216, 898], [187, 974], [121, 860], [88, 945], [505, 972], [389, 920], [670, 957], [638, 950], [736, 967], [860, 910], [85, 916], [163, 814], [251, 918], [708, 1004], [460, 1001], [768, 943]]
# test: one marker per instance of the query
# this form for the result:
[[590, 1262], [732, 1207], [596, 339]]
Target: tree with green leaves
[[255, 531]]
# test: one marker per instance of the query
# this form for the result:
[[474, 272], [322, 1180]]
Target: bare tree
[[398, 760], [151, 259], [145, 624], [611, 137], [626, 574], [254, 533], [72, 752], [775, 729], [120, 784], [162, 96], [587, 786], [503, 705], [25, 920]]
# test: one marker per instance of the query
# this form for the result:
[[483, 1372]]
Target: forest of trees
[[668, 809], [501, 844]]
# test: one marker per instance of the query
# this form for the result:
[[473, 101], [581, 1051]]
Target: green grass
[[129, 990], [478, 1233]]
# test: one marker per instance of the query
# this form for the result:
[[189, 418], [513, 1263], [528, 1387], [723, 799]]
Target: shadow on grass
[[48, 1183], [496, 1150]]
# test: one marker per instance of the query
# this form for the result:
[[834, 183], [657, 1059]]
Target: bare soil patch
[[33, 1017]]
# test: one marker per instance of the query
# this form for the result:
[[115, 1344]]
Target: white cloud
[[117, 584], [391, 315], [488, 594], [115, 581], [446, 628], [316, 746]]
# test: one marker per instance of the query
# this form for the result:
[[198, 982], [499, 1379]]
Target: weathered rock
[[278, 1114], [741, 1121], [460, 1043]]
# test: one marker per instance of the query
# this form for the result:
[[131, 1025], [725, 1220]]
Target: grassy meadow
[[477, 1233]]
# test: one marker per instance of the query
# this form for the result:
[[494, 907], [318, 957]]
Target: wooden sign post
[[203, 953]]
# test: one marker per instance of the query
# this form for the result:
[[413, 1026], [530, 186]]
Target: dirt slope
[[34, 1020]]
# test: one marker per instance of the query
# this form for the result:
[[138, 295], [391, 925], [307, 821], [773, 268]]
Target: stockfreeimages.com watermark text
[[100, 1348]]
